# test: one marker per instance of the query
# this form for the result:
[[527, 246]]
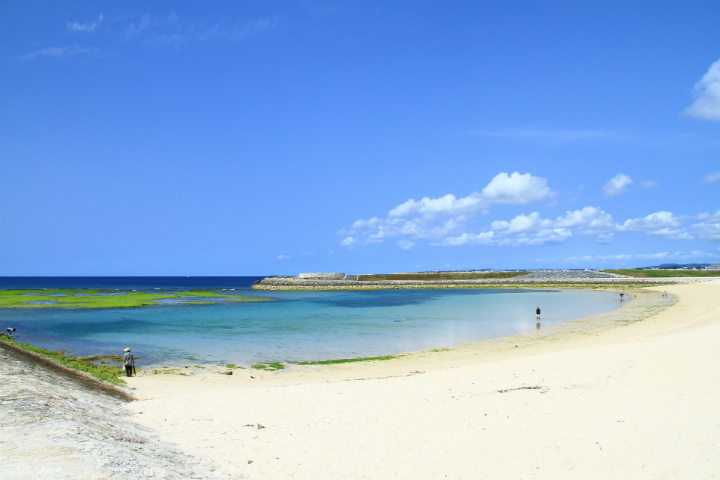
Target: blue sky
[[243, 138]]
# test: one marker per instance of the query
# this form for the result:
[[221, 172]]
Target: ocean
[[296, 326]]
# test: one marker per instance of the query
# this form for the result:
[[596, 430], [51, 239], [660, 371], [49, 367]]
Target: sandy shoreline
[[631, 393], [636, 400]]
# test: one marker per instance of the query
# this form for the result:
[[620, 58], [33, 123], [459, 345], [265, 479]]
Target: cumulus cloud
[[660, 223], [85, 27], [405, 244], [437, 218], [514, 189], [588, 220], [708, 228], [617, 185], [654, 221], [707, 95], [711, 177], [533, 229], [445, 221], [704, 226]]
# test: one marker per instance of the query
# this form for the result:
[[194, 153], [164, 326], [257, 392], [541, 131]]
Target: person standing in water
[[128, 362], [537, 312]]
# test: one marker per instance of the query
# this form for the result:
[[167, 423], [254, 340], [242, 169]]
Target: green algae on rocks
[[95, 298], [103, 371]]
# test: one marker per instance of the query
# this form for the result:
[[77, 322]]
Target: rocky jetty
[[536, 278], [568, 274]]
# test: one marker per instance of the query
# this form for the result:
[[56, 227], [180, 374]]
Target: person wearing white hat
[[128, 362]]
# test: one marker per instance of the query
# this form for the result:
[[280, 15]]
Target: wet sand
[[634, 394]]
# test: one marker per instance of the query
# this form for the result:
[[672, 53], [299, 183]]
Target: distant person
[[129, 362], [537, 312], [621, 296], [10, 331]]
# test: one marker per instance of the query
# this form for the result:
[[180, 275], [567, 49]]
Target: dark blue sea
[[296, 326]]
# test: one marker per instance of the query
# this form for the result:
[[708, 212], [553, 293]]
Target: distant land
[[675, 266]]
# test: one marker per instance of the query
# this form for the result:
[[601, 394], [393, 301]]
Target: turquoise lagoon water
[[296, 326]]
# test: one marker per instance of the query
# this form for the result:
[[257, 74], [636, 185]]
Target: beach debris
[[252, 425], [249, 462], [536, 387]]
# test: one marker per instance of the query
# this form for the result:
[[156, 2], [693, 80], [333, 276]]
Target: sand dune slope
[[641, 401]]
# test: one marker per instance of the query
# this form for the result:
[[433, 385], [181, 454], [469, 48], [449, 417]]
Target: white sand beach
[[638, 400]]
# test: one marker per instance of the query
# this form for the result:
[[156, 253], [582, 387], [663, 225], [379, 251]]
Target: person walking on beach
[[537, 312], [128, 362]]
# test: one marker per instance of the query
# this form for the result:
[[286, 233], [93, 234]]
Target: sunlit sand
[[610, 397]]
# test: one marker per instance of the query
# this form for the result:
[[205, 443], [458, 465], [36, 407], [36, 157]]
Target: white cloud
[[617, 185], [709, 228], [175, 31], [622, 257], [348, 241], [85, 27], [545, 236], [706, 226], [405, 244], [589, 220], [605, 237], [485, 238], [707, 93], [648, 184], [711, 177], [436, 218], [514, 189], [60, 52], [283, 257], [654, 222]]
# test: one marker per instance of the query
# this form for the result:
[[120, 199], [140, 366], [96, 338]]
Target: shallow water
[[296, 326]]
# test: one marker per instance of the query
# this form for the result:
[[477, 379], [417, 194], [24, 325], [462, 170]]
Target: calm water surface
[[296, 326]]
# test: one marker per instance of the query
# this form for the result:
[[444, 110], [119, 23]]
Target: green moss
[[104, 372], [230, 365], [639, 273], [350, 360], [93, 298], [271, 367]]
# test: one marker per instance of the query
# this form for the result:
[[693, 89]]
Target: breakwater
[[536, 279]]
